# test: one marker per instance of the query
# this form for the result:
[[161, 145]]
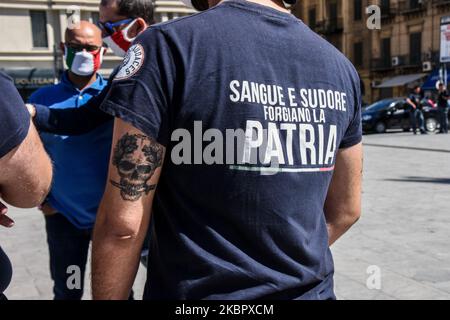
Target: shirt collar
[[97, 85]]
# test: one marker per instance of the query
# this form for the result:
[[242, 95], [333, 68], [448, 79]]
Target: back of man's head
[[133, 8]]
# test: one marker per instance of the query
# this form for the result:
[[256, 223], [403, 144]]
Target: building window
[[358, 54], [39, 29], [312, 18], [95, 17], [333, 11], [414, 4], [415, 48], [385, 6], [357, 5], [386, 52]]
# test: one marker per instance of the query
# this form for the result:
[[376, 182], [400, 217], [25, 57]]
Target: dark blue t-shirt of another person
[[252, 107], [14, 117], [14, 126]]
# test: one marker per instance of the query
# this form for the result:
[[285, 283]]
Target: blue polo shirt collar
[[98, 85]]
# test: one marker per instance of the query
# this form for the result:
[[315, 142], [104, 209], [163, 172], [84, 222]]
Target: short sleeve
[[14, 117], [142, 90], [353, 134]]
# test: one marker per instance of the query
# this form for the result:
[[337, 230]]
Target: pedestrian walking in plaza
[[443, 99], [416, 116]]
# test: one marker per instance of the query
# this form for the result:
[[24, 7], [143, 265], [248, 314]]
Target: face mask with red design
[[83, 63], [119, 41]]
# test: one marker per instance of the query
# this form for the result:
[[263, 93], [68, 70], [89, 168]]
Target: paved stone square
[[405, 224], [404, 230]]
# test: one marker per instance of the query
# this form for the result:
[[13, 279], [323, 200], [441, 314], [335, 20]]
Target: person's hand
[[5, 221], [31, 109], [47, 209]]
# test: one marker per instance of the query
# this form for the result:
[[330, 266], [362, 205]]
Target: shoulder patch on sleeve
[[132, 62]]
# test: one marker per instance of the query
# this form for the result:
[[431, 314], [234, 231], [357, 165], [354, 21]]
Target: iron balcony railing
[[411, 6], [330, 26]]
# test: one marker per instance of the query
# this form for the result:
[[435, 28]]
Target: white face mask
[[119, 42], [83, 63]]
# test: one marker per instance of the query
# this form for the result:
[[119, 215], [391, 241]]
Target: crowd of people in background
[[416, 101]]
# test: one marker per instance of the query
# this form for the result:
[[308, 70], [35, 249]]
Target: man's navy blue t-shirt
[[252, 107], [14, 125], [14, 117]]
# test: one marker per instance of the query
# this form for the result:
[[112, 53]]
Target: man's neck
[[81, 82], [275, 4]]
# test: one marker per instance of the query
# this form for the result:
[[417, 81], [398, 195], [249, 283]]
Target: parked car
[[393, 113]]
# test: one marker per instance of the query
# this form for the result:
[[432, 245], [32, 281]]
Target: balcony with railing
[[404, 61], [330, 26], [438, 3], [407, 61], [388, 10], [432, 56], [413, 61], [381, 64], [411, 6]]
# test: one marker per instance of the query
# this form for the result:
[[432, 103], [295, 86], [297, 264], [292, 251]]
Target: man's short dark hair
[[134, 8]]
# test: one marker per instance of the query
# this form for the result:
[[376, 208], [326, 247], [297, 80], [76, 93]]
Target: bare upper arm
[[26, 173], [344, 194], [134, 170]]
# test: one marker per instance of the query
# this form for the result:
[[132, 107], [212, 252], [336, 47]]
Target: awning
[[402, 80], [430, 83], [31, 78]]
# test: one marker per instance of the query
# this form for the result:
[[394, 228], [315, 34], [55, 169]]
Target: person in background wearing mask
[[80, 163], [25, 168], [121, 21], [443, 97], [415, 112]]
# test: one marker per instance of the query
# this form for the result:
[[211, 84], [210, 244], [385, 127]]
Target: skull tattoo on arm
[[136, 158]]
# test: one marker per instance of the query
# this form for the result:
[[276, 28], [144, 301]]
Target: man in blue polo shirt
[[80, 163]]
